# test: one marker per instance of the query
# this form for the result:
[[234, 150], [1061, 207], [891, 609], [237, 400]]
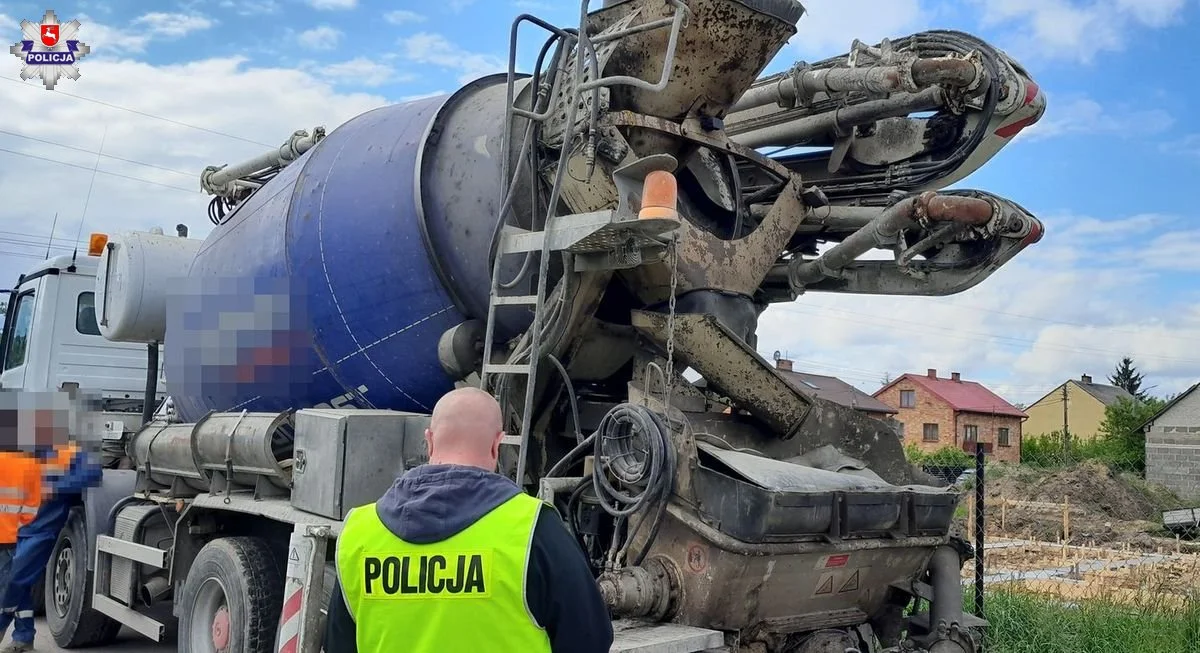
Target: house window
[[970, 433], [1002, 437], [908, 398], [810, 384], [930, 433], [85, 314]]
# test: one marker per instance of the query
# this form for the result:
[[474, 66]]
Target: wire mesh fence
[[1083, 544]]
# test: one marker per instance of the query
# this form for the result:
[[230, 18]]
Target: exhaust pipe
[[154, 590]]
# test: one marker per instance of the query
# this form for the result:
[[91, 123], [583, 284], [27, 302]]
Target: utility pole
[[1066, 427]]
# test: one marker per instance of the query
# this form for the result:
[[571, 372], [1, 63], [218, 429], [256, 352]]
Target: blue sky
[[1110, 168]]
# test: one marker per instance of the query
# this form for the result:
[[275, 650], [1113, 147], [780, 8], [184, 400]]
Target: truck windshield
[[22, 322]]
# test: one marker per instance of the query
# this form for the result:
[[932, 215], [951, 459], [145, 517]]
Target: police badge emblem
[[49, 50]]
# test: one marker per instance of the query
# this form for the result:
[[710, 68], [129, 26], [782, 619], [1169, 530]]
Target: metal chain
[[673, 252]]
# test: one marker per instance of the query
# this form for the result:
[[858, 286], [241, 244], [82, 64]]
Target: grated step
[[506, 369], [513, 300]]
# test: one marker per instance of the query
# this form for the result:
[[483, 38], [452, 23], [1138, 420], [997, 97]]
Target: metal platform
[[640, 637]]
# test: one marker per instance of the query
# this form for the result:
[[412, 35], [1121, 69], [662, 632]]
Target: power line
[[103, 172], [92, 152], [140, 113], [972, 335], [1053, 320]]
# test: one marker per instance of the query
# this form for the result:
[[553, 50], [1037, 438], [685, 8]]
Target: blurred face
[[49, 428]]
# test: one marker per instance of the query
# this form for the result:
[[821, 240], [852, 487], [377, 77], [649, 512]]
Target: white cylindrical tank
[[137, 272]]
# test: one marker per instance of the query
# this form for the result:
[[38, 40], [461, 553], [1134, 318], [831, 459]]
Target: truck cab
[[51, 338]]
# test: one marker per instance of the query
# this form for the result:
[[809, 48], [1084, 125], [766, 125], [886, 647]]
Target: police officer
[[455, 557]]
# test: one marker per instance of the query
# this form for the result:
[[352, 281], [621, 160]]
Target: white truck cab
[[51, 338]]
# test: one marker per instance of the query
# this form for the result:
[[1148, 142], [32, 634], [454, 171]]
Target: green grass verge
[[1026, 624]]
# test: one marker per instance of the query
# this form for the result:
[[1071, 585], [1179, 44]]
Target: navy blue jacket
[[433, 502]]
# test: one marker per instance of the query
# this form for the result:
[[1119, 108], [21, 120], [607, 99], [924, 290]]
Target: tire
[[68, 593], [39, 596], [232, 596]]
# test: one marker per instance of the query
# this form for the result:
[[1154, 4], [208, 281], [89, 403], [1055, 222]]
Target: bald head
[[465, 429]]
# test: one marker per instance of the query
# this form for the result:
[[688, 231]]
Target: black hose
[[570, 395], [566, 460], [151, 382], [654, 476]]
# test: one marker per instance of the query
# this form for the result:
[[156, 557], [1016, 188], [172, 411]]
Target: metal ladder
[[584, 233], [509, 245]]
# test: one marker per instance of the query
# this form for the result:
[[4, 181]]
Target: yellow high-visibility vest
[[465, 593]]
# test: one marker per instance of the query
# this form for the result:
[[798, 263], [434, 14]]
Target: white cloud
[[109, 40], [169, 25], [251, 7], [1187, 144], [272, 103], [322, 37], [458, 5], [828, 27], [362, 71], [1070, 304], [1082, 115], [403, 17], [333, 4], [1076, 30], [435, 49]]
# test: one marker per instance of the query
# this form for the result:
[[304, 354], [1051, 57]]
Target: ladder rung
[[514, 440], [515, 299], [506, 369]]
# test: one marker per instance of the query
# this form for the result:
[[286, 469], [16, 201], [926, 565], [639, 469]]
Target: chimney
[[931, 373], [955, 377], [1085, 378], [783, 364]]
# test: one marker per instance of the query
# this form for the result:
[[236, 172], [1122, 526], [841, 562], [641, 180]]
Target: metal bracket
[[300, 624], [107, 548]]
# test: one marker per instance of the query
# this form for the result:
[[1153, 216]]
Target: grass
[[1026, 624]]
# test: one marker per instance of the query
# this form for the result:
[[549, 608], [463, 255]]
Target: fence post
[[980, 528]]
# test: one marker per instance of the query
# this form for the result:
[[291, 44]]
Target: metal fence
[[1075, 550]]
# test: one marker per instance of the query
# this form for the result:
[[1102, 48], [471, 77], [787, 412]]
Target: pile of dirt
[[1091, 486], [1106, 506]]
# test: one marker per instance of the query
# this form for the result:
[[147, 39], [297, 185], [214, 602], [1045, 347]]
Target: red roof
[[963, 396]]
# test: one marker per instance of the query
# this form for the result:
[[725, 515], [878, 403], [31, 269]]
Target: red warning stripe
[[290, 613]]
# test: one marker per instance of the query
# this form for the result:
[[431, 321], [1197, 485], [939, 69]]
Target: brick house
[[940, 412]]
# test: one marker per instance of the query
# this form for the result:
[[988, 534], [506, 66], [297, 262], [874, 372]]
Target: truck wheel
[[68, 593], [39, 596], [231, 598]]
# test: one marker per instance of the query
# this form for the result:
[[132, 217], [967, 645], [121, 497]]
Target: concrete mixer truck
[[593, 242]]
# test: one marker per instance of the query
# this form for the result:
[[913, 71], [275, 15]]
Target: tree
[[1120, 432], [1126, 376]]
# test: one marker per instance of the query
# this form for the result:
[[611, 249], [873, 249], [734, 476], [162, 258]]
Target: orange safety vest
[[60, 463], [20, 493]]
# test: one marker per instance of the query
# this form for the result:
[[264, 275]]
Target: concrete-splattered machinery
[[574, 240]]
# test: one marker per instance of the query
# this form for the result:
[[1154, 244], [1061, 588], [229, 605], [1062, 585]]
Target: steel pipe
[[884, 229], [802, 83], [797, 132], [219, 180], [947, 602]]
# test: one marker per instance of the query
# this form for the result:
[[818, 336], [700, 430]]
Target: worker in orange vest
[[66, 471], [20, 496]]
